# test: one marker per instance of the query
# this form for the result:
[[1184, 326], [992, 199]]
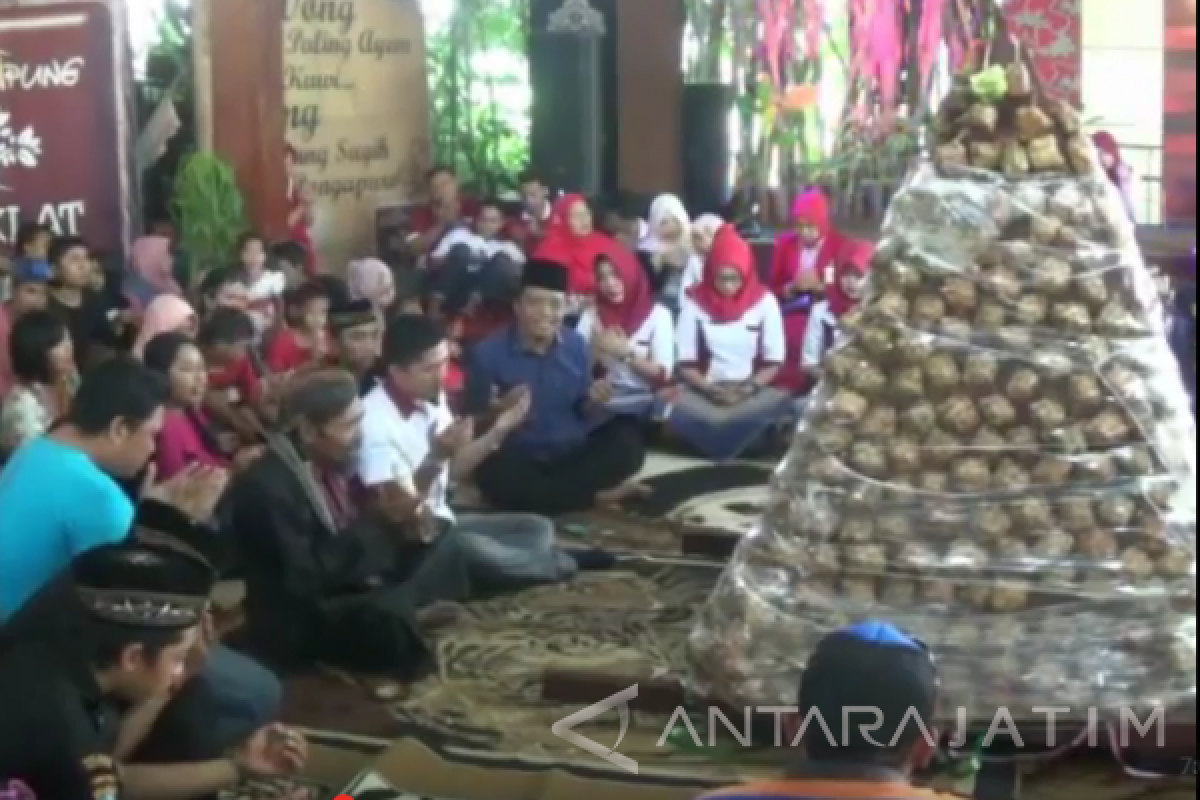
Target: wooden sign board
[[60, 130], [357, 114]]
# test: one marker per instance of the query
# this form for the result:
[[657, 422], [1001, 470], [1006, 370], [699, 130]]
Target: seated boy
[[222, 288], [305, 340], [476, 268], [291, 258], [235, 387]]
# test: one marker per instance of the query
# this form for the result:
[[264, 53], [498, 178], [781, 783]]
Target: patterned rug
[[486, 696]]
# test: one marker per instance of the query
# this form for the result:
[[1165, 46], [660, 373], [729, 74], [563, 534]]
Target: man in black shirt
[[84, 311], [132, 619]]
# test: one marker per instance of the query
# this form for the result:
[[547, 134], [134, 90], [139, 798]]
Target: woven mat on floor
[[486, 699]]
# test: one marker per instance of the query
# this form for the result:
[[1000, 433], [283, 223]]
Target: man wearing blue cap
[[872, 665]]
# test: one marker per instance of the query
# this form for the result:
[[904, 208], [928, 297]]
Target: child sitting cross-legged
[[478, 268]]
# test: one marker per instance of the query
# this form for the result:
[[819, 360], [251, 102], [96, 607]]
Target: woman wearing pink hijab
[[151, 271], [1118, 170], [166, 313]]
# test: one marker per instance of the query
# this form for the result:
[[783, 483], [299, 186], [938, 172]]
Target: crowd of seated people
[[304, 430]]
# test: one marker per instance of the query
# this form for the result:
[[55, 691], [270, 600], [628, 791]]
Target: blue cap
[[30, 270], [877, 632]]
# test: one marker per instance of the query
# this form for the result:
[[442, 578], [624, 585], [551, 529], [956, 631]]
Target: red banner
[[1179, 113], [1052, 31], [59, 128]]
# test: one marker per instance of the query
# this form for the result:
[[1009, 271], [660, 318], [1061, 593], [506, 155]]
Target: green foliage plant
[[208, 210]]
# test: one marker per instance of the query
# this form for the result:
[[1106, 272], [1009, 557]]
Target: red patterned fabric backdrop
[[1052, 30]]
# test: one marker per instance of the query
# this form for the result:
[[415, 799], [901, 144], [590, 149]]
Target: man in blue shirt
[[569, 454], [58, 499], [57, 496]]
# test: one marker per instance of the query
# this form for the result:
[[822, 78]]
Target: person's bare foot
[[439, 616], [611, 499], [384, 690]]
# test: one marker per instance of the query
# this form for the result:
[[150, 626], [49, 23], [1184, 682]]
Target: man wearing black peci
[[568, 454], [84, 693]]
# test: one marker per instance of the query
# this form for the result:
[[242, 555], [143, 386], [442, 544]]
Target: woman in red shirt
[[803, 268], [572, 241], [188, 437]]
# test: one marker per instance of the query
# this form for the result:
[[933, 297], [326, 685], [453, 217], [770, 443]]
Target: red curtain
[[1052, 32]]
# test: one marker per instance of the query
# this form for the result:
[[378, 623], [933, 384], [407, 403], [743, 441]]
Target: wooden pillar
[[650, 95], [202, 73], [248, 116]]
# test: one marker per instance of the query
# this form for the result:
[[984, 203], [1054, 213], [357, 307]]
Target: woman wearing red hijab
[[572, 241], [632, 336], [843, 297], [731, 347], [801, 273], [1119, 171]]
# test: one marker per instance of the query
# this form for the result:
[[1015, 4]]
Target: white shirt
[[814, 335], [478, 245], [693, 273], [733, 347], [262, 294], [654, 341], [394, 446]]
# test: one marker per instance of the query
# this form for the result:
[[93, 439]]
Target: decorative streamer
[[775, 30], [929, 36], [814, 27], [887, 50]]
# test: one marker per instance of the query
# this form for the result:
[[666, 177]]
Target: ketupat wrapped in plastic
[[1000, 457]]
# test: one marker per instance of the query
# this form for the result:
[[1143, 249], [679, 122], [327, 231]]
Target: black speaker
[[705, 146], [574, 95]]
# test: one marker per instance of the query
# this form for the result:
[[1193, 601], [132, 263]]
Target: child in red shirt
[[234, 386], [305, 340]]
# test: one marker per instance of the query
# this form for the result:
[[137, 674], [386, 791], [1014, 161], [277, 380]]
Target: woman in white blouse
[[632, 336], [730, 347]]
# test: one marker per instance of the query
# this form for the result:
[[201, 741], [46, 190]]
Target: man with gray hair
[[324, 581]]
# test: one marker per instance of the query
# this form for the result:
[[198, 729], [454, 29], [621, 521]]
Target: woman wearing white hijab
[[666, 250]]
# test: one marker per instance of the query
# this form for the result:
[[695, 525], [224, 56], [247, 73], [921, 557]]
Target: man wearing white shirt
[[413, 446]]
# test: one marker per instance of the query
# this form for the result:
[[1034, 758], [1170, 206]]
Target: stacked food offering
[[1000, 457]]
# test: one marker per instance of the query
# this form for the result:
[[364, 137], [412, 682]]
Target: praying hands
[[611, 343], [448, 443], [601, 392], [195, 491], [514, 409], [273, 752]]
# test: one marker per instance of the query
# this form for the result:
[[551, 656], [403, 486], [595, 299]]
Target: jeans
[[512, 550], [246, 696]]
